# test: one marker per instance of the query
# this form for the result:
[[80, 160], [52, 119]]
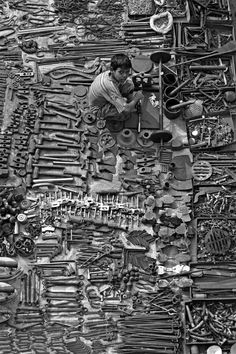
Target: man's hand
[[139, 96], [130, 107]]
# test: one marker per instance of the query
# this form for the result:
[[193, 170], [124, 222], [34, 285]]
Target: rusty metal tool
[[75, 137], [33, 145], [181, 104], [139, 111], [207, 67], [227, 49], [55, 137], [58, 106], [178, 88], [60, 129], [70, 155], [65, 115], [41, 30], [41, 165], [159, 57], [53, 180]]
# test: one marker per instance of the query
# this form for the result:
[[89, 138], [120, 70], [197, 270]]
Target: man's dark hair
[[120, 61]]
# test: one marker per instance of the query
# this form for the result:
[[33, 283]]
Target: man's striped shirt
[[105, 90]]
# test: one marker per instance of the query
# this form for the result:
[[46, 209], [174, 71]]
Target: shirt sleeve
[[128, 87], [112, 94]]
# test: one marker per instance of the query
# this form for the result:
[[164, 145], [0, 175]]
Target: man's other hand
[[139, 95]]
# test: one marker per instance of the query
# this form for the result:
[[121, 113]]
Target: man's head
[[120, 67]]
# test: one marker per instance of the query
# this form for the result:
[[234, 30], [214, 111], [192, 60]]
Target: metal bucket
[[169, 79], [167, 92], [171, 113]]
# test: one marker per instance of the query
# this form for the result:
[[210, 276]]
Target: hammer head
[[36, 155], [76, 137], [32, 144], [39, 139]]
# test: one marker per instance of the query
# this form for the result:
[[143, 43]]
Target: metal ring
[[89, 118], [101, 124], [143, 138]]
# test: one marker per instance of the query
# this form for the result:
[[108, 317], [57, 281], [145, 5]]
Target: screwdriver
[[139, 112]]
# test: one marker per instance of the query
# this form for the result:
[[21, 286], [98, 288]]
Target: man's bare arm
[[129, 107]]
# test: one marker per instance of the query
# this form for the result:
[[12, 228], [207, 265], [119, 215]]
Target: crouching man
[[111, 95]]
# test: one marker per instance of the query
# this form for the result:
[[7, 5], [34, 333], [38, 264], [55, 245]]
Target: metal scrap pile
[[117, 237]]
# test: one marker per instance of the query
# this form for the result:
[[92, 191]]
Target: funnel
[[126, 137], [143, 138], [171, 113]]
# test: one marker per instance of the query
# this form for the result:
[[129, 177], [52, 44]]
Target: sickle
[[62, 76], [56, 76]]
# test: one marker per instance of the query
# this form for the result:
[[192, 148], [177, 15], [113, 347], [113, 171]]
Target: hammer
[[39, 145], [37, 125], [55, 137], [37, 172], [75, 137]]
